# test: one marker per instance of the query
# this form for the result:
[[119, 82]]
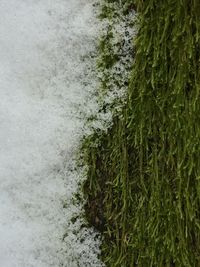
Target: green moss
[[144, 173]]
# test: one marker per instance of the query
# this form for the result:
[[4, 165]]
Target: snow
[[42, 68]]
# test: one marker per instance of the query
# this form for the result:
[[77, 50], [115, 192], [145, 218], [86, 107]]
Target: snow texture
[[117, 34], [45, 49]]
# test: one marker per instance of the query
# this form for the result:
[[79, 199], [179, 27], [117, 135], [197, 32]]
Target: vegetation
[[143, 186]]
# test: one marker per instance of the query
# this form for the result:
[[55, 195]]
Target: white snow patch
[[42, 44]]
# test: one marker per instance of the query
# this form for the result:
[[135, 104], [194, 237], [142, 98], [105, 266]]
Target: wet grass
[[143, 186]]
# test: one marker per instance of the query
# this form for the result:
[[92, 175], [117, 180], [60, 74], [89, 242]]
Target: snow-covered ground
[[42, 47]]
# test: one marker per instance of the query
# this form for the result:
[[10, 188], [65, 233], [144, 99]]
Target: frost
[[117, 35], [45, 51]]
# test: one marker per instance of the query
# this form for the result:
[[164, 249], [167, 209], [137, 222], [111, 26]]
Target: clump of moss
[[144, 172], [116, 55]]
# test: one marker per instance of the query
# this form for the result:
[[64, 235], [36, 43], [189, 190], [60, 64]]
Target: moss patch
[[143, 184]]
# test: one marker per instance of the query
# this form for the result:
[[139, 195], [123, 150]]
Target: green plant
[[144, 173]]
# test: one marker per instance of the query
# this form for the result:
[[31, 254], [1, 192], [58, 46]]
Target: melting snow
[[42, 46]]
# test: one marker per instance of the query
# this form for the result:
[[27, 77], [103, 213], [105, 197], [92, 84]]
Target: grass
[[143, 186]]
